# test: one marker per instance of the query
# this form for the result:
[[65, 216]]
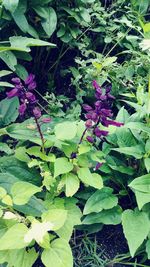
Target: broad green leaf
[[112, 216], [5, 148], [142, 198], [72, 184], [11, 166], [135, 151], [92, 179], [14, 237], [141, 183], [49, 21], [66, 130], [136, 227], [10, 5], [147, 164], [21, 71], [55, 216], [61, 166], [59, 255], [22, 192], [8, 110], [22, 257], [9, 58], [24, 43], [139, 126], [73, 218], [2, 192], [101, 199]]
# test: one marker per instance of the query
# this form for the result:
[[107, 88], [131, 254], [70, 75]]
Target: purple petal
[[73, 155], [29, 79], [90, 139], [87, 107], [110, 96], [12, 93], [31, 97], [22, 109], [114, 123], [37, 112], [16, 80], [32, 85]]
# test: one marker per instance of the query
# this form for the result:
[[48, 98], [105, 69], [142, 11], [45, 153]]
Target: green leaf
[[66, 130], [23, 43], [59, 255], [49, 21], [23, 258], [112, 216], [72, 184], [148, 248], [55, 216], [142, 198], [9, 58], [10, 5], [62, 165], [14, 237], [6, 84], [22, 192], [8, 111], [139, 126], [92, 179], [101, 199], [5, 148], [135, 151], [19, 170], [4, 73], [21, 72], [135, 233], [73, 218], [147, 164], [141, 183]]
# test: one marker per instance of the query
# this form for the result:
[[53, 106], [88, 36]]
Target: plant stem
[[40, 133]]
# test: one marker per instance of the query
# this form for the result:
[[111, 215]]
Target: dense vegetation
[[74, 130]]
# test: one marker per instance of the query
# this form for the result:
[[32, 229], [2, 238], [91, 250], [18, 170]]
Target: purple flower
[[114, 123], [12, 93], [31, 97], [16, 80], [73, 155], [100, 133], [32, 85], [90, 139], [22, 109], [29, 79], [37, 112], [87, 107]]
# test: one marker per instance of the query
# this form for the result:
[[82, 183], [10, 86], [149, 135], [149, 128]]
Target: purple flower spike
[[22, 109], [29, 79], [32, 86], [12, 93], [90, 139], [16, 80], [100, 133], [37, 112]]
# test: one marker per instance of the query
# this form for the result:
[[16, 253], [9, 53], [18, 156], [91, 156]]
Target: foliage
[[75, 142]]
